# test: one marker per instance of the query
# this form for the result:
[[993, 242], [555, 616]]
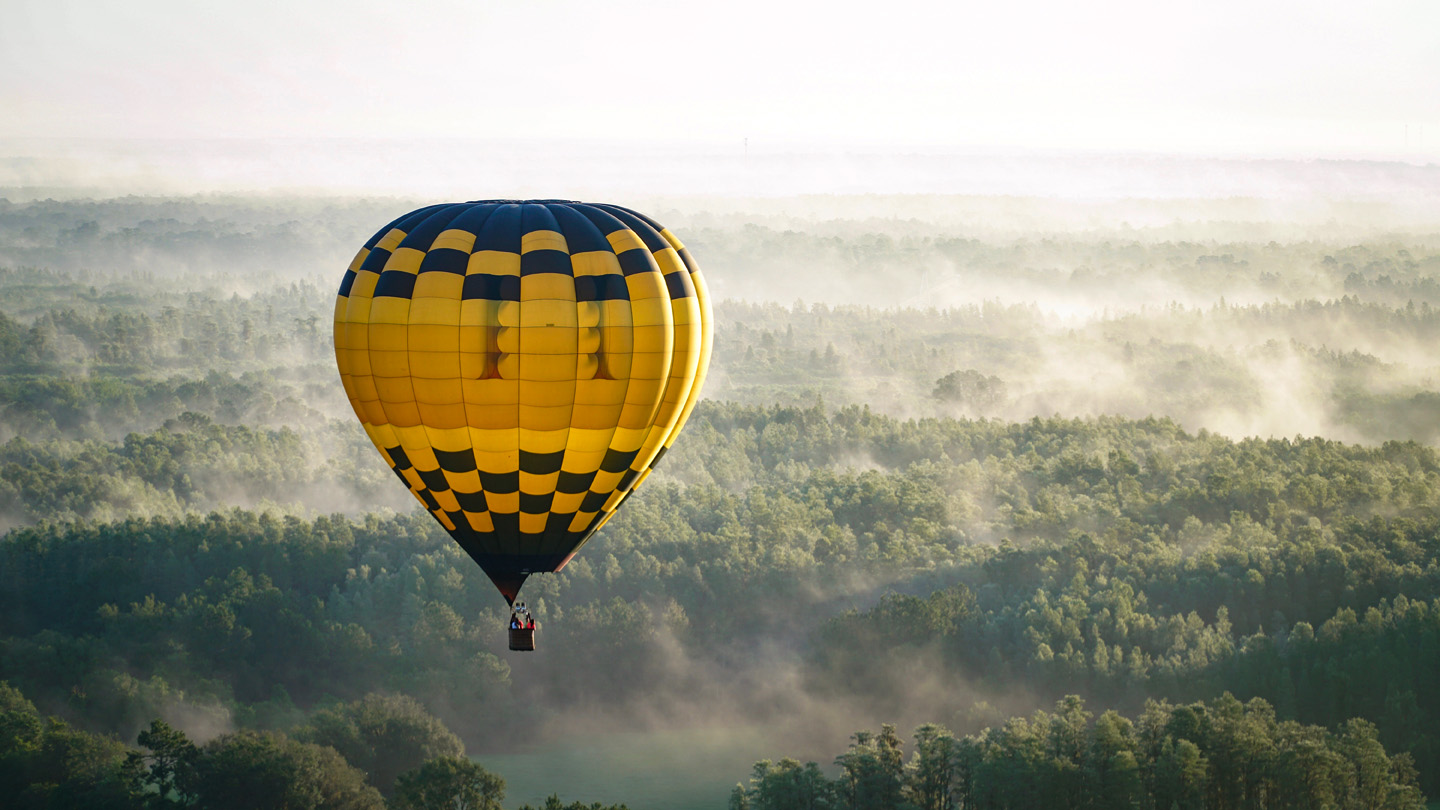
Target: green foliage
[[1220, 755], [383, 735], [449, 783]]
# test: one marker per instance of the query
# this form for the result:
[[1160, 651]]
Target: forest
[[1110, 518]]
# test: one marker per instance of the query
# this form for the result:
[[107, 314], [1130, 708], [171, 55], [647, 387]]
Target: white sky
[[1295, 79]]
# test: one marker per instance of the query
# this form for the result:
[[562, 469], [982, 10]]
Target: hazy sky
[[1247, 77]]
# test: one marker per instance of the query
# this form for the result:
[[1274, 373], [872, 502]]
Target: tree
[[250, 769], [169, 768], [932, 771], [383, 735], [970, 389], [449, 783]]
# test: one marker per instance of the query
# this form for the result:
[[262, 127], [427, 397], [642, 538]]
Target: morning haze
[[1070, 437]]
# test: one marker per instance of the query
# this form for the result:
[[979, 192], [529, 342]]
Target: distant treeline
[[374, 753], [1221, 755]]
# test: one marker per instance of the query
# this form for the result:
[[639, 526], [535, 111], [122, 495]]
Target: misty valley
[[988, 503]]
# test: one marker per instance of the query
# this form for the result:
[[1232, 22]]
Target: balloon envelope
[[522, 366]]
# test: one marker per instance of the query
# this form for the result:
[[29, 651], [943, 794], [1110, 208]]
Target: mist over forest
[[1126, 497]]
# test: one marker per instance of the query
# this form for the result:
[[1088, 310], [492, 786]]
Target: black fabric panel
[[545, 261], [636, 261], [541, 463], [581, 235], [375, 261], [445, 260], [347, 282], [627, 479], [434, 480], [507, 524], [594, 501], [643, 227], [457, 462], [397, 454], [616, 461], [574, 483], [536, 504], [659, 455], [609, 287], [678, 285], [472, 501], [603, 220], [430, 502], [421, 235], [473, 219], [500, 483], [491, 288], [501, 230], [395, 284]]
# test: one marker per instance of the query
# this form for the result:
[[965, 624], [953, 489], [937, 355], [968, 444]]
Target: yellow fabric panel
[[653, 313], [582, 521], [494, 263], [358, 260], [405, 260], [595, 263], [595, 417], [491, 392], [566, 503], [623, 240], [446, 499], [496, 443], [479, 312], [375, 412], [532, 524], [543, 441], [702, 366], [492, 416], [536, 417], [394, 389], [533, 484], [507, 340], [468, 481], [480, 522], [543, 240], [444, 518], [463, 241], [504, 503], [541, 286], [438, 311], [438, 285], [387, 310], [672, 239], [436, 366], [392, 238], [364, 287], [627, 439], [438, 392], [548, 313], [649, 288], [587, 314], [448, 440], [391, 365], [557, 368], [412, 478], [612, 501]]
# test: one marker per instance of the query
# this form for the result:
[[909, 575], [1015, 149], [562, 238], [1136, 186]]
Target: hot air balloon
[[522, 366]]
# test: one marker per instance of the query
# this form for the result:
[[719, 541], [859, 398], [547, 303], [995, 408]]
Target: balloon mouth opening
[[507, 583]]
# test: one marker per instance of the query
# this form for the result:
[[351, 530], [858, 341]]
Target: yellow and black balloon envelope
[[522, 366]]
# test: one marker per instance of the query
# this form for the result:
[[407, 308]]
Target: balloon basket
[[522, 639]]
